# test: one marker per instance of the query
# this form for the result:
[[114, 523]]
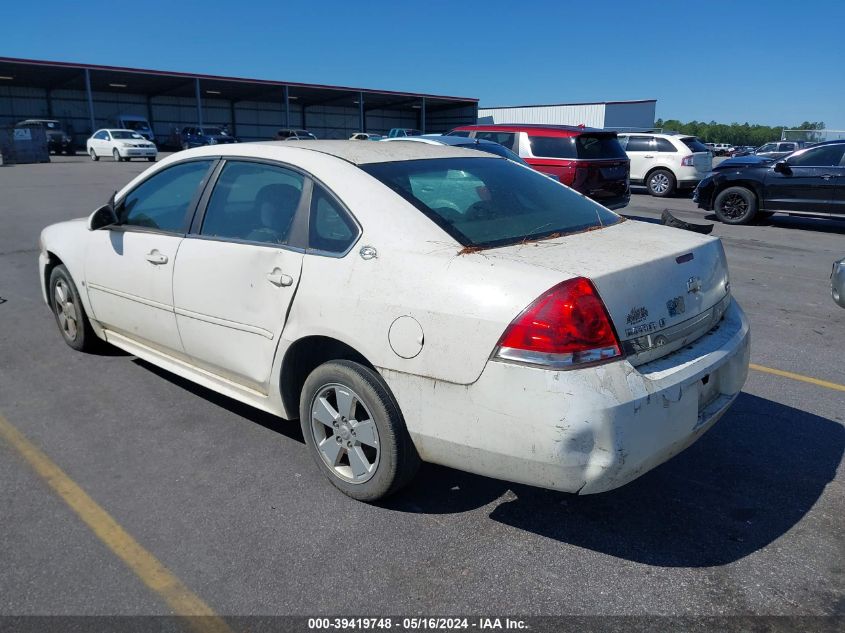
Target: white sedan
[[120, 145], [411, 302]]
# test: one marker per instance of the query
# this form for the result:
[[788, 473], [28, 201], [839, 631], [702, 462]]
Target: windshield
[[490, 202], [694, 144], [124, 134]]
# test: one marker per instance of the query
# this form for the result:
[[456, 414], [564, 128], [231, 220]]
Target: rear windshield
[[694, 144], [489, 201], [584, 146]]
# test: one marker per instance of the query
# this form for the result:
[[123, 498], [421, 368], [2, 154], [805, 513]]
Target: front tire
[[93, 155], [355, 431], [736, 205], [116, 155], [70, 315], [661, 183]]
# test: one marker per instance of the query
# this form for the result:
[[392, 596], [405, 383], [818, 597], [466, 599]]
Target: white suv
[[666, 162]]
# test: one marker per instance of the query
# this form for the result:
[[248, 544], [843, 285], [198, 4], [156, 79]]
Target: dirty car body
[[523, 331]]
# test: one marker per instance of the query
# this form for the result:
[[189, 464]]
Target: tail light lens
[[688, 161], [566, 327]]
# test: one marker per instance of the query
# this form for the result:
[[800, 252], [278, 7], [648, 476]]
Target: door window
[[665, 145], [253, 202], [825, 156], [639, 144], [162, 201], [508, 139], [330, 228]]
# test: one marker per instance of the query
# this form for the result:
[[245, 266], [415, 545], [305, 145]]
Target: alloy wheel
[[344, 433], [65, 310], [734, 206], [659, 183]]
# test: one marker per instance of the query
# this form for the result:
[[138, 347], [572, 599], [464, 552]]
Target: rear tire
[[152, 159], [661, 183], [70, 315], [355, 431], [93, 155], [735, 205]]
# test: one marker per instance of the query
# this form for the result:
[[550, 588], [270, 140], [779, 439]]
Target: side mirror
[[102, 217], [782, 167]]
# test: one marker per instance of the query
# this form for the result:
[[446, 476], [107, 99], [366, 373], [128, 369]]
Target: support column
[[49, 103], [422, 116], [287, 107], [362, 116], [199, 101], [90, 100], [232, 116]]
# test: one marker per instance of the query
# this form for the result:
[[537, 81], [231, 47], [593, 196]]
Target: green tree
[[738, 133]]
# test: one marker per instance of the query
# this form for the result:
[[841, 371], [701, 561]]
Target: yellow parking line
[[147, 567], [799, 377]]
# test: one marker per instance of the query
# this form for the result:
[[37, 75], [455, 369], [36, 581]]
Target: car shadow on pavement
[[745, 483], [269, 421]]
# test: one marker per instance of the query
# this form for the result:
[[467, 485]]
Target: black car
[[58, 140], [810, 181]]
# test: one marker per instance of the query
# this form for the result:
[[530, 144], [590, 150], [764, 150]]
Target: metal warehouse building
[[85, 97], [614, 115]]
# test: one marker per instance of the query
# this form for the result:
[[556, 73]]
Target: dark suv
[[58, 140], [590, 161], [810, 181]]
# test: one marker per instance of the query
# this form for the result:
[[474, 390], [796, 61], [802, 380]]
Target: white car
[[407, 301], [365, 136], [120, 145], [665, 163]]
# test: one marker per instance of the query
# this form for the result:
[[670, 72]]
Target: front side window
[[463, 133], [825, 156], [490, 202], [161, 202], [330, 229], [253, 202], [508, 139], [768, 147]]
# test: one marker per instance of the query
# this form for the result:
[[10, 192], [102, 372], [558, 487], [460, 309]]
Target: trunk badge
[[694, 284]]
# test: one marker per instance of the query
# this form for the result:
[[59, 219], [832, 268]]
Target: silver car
[[837, 282]]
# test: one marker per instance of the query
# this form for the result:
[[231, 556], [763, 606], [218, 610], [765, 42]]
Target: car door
[[129, 266], [642, 151], [238, 270], [808, 183]]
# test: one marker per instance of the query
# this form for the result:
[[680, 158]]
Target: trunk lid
[[662, 287]]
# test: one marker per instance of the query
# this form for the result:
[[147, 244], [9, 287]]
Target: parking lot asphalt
[[746, 521]]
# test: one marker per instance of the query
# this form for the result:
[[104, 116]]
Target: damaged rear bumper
[[587, 430]]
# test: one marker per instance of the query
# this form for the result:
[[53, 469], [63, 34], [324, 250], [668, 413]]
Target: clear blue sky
[[772, 62]]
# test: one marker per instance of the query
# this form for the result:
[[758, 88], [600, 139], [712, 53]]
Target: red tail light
[[565, 327], [688, 161]]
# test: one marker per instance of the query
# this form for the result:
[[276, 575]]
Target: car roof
[[115, 129], [550, 130], [359, 153]]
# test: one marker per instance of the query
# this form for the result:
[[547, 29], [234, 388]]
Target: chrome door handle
[[278, 278], [154, 257]]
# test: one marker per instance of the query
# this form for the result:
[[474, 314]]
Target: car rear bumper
[[583, 431]]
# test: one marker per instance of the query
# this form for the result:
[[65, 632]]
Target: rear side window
[[552, 146], [694, 144], [508, 139], [787, 147], [162, 201], [665, 145], [330, 229], [253, 202], [490, 202]]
